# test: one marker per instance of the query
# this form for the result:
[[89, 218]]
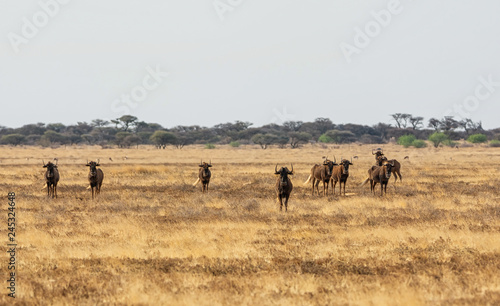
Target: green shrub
[[325, 139], [477, 138], [419, 143], [234, 144], [437, 138], [406, 140], [495, 143], [209, 146]]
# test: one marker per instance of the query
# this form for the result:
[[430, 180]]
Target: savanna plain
[[152, 238]]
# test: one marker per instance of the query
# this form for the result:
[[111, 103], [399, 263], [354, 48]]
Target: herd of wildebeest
[[328, 172]]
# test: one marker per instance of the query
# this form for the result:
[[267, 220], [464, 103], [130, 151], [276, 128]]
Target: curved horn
[[372, 152], [276, 169], [98, 160], [351, 159], [43, 162], [292, 168], [334, 159]]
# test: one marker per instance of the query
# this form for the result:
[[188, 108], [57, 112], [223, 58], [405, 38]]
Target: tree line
[[128, 131]]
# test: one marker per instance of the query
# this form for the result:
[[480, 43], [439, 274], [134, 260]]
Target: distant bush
[[477, 138], [495, 143], [419, 143], [210, 146], [437, 138], [449, 143], [406, 140], [325, 139], [234, 144]]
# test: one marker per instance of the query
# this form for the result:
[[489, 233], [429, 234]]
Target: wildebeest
[[204, 175], [379, 174], [381, 159], [284, 185], [340, 174], [51, 178], [321, 173], [96, 177]]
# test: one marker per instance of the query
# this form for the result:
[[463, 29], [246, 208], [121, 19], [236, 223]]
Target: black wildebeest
[[204, 175], [96, 177], [51, 178], [340, 174], [284, 185], [381, 159], [321, 173], [381, 175]]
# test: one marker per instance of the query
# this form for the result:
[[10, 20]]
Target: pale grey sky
[[260, 61]]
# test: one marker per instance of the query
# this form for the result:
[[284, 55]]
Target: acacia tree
[[434, 123], [127, 122], [162, 138], [297, 138], [264, 140], [416, 122]]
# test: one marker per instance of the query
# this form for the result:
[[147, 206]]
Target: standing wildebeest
[[284, 185], [204, 175], [379, 174], [95, 177], [340, 174], [381, 159], [51, 177], [321, 173]]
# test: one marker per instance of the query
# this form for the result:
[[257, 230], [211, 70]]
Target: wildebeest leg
[[344, 187], [207, 187], [334, 184], [317, 188], [55, 191], [48, 190], [281, 202], [325, 188], [286, 202], [382, 189]]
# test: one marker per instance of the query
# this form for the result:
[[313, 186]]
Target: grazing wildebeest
[[379, 174], [284, 185], [96, 177], [340, 174], [204, 175], [52, 178], [321, 173]]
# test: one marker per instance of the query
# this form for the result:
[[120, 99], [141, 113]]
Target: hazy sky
[[260, 61]]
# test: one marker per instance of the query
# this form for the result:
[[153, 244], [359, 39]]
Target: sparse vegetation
[[495, 143], [209, 146], [152, 238]]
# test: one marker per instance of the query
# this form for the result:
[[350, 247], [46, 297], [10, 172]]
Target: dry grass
[[152, 238]]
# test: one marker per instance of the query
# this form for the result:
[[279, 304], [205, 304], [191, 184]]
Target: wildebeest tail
[[308, 179], [364, 183], [196, 182]]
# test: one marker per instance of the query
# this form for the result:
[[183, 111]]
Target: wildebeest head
[[388, 168], [378, 152], [283, 173], [50, 168], [345, 165], [205, 167], [93, 165], [329, 165]]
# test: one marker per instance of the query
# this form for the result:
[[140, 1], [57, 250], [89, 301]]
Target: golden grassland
[[153, 238]]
